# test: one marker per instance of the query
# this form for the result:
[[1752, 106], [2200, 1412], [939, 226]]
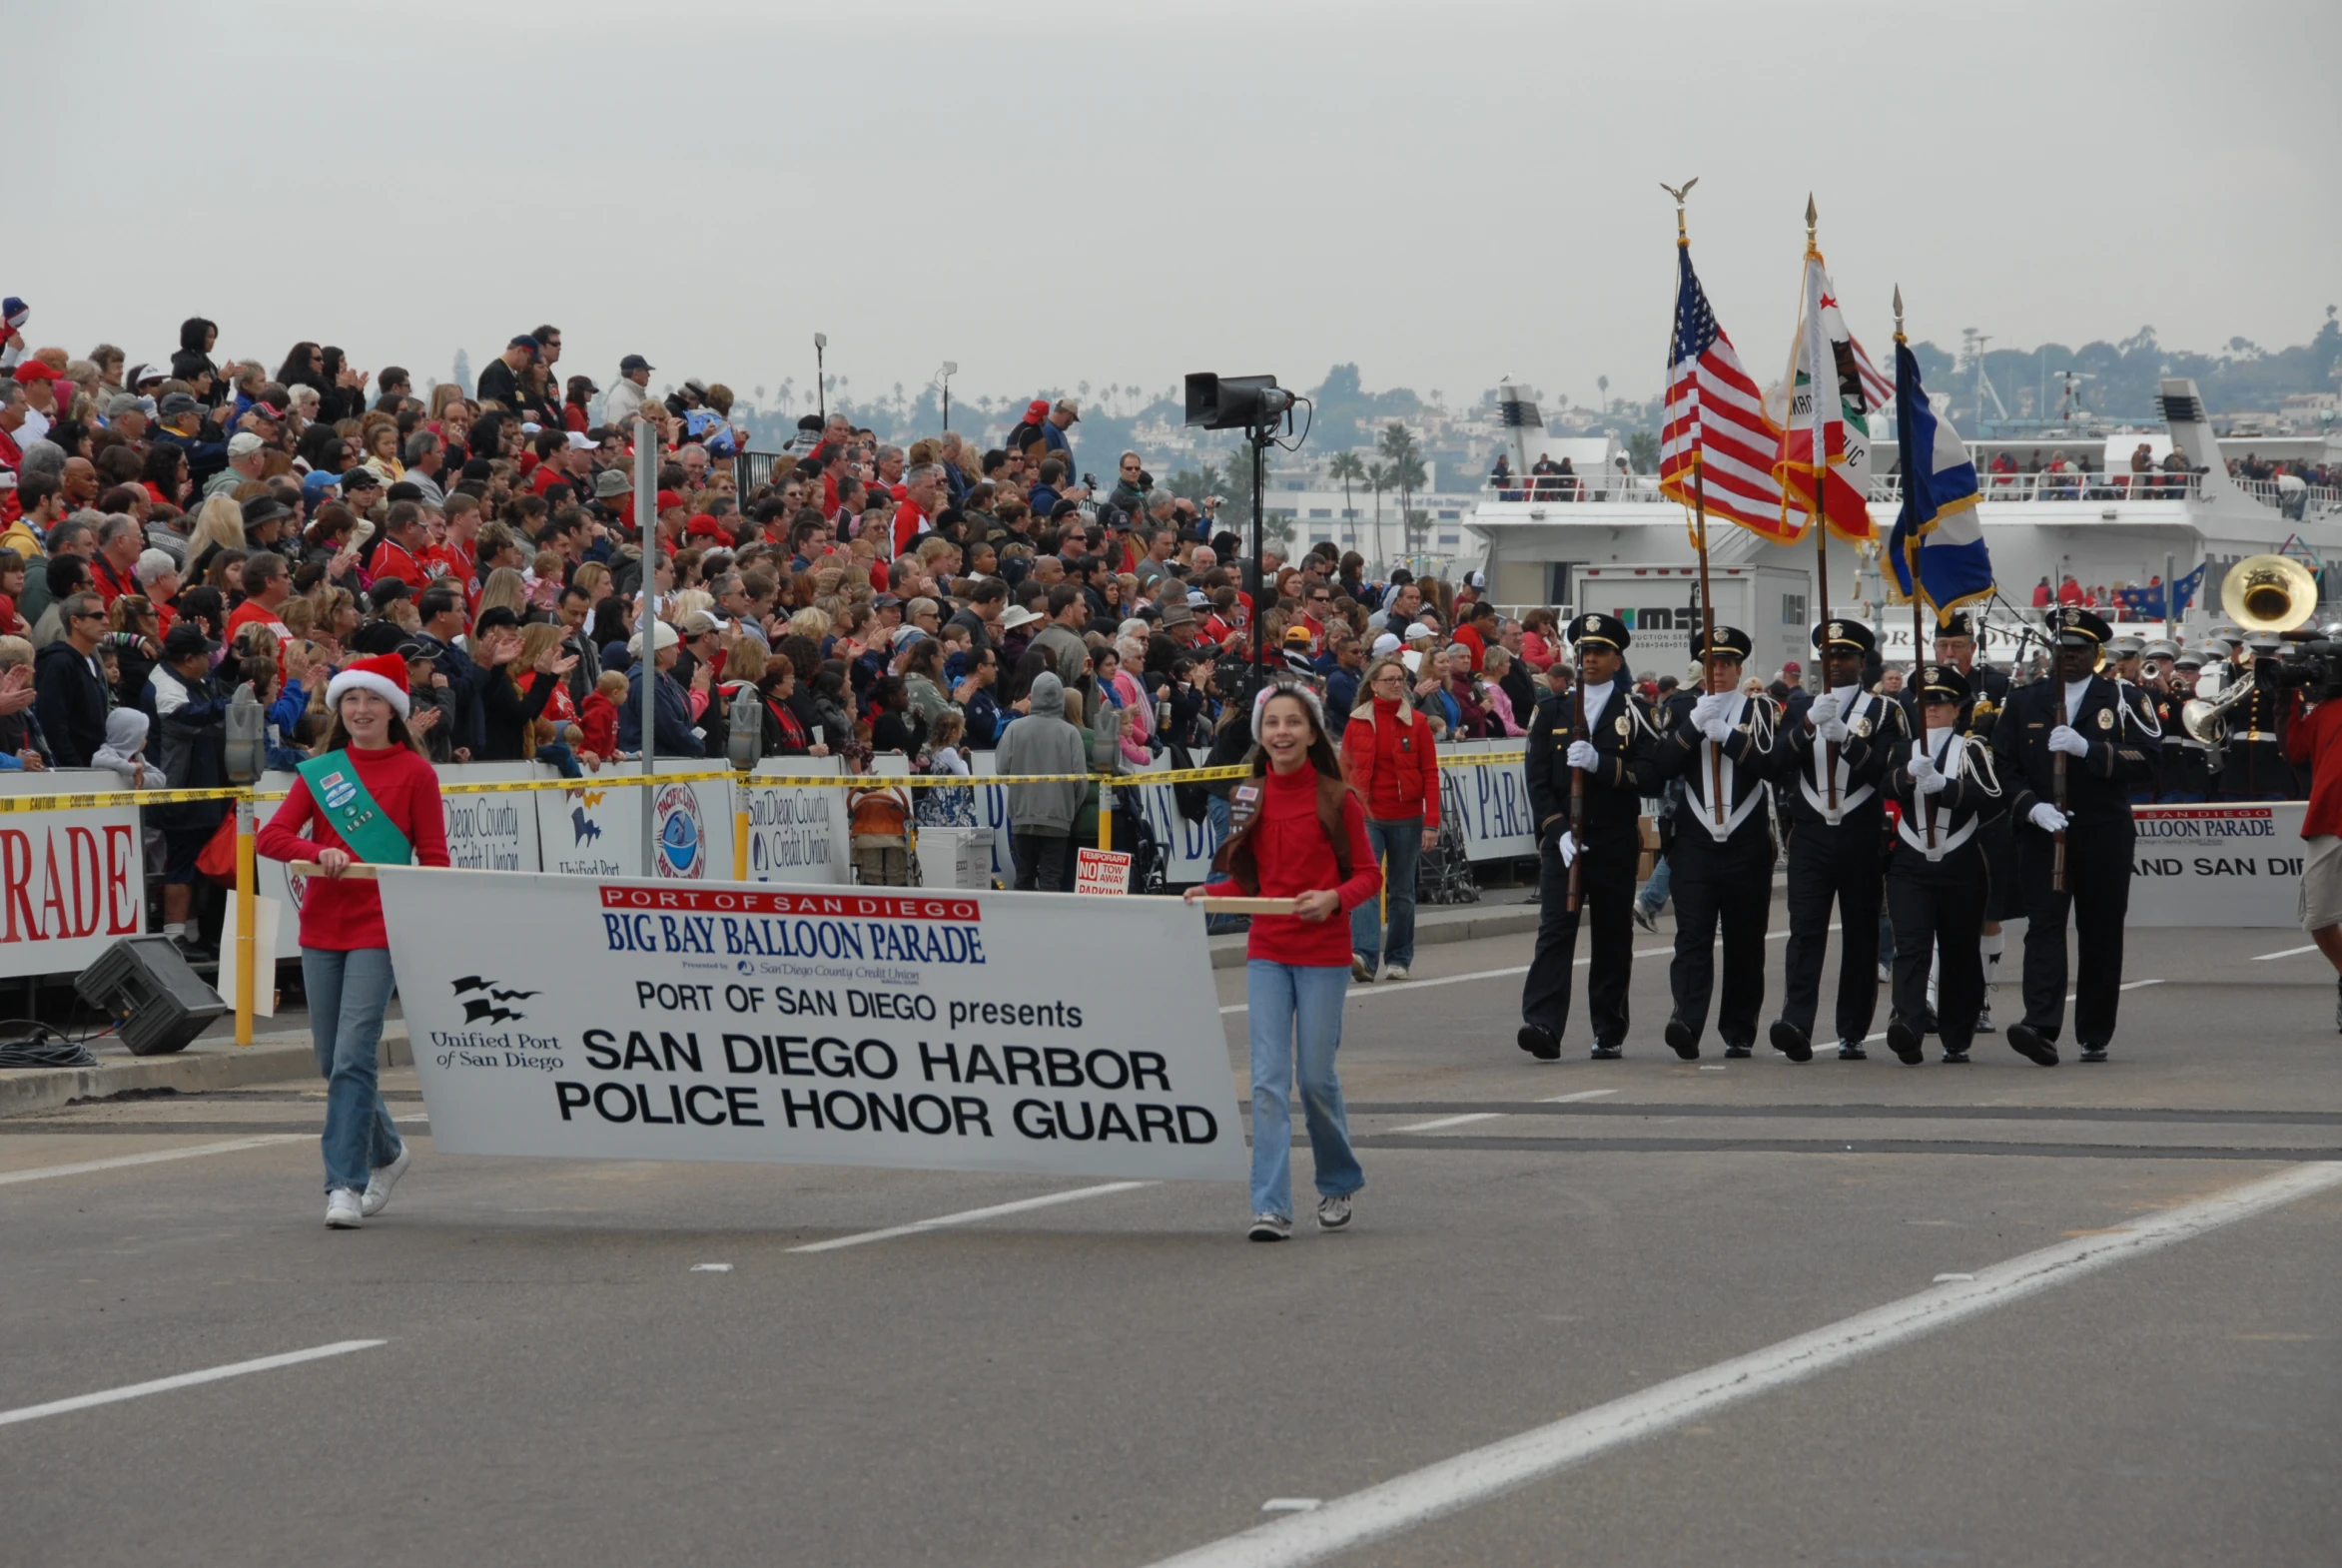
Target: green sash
[[342, 799]]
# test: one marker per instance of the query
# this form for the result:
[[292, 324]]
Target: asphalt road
[[1120, 1379]]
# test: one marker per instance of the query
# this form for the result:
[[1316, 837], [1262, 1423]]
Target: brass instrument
[[2261, 593]]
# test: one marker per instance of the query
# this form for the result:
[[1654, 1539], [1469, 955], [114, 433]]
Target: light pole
[[821, 342], [951, 369]]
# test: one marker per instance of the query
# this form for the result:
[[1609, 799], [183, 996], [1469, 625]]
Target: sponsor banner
[[1490, 801], [596, 828], [651, 1018], [2218, 865], [72, 883], [798, 834], [491, 832]]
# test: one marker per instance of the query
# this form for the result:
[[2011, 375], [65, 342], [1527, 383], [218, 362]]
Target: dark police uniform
[[1721, 863], [1937, 878], [2123, 744], [2252, 763], [2187, 764], [1836, 852], [1619, 729]]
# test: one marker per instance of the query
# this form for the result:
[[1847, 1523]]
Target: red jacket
[[343, 915], [2312, 738], [1294, 856], [1394, 768]]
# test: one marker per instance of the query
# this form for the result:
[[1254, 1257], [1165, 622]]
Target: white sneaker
[[1984, 1023], [1269, 1227], [1394, 972], [384, 1178], [1885, 974], [1361, 970], [344, 1210], [1333, 1213]]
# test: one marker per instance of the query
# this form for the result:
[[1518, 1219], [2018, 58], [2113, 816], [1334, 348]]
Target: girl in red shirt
[[1390, 759], [1299, 832], [345, 950]]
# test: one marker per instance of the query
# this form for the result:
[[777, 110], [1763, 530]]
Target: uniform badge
[[1836, 631], [1624, 727], [1862, 726], [2105, 718]]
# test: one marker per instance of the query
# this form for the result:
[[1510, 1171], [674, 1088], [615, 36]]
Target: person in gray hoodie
[[1040, 816]]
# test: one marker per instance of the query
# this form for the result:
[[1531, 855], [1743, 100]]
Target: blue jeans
[[557, 754], [346, 995], [1653, 898], [1398, 846], [1295, 1014]]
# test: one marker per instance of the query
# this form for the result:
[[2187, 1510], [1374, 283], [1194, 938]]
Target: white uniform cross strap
[[1848, 796], [1955, 755], [1696, 783]]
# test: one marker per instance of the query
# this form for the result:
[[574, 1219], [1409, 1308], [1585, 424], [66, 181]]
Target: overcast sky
[[1446, 193]]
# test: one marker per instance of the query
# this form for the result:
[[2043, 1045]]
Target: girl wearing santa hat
[[369, 796]]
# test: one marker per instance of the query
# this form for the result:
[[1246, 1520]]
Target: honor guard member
[[1938, 879], [1956, 649], [2252, 763], [2187, 764], [1723, 745], [2109, 742], [1831, 764], [1614, 755]]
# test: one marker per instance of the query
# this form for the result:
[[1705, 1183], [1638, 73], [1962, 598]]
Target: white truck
[[1661, 606]]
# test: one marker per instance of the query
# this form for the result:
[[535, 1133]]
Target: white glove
[[2067, 740], [1823, 710], [1930, 782], [1921, 766], [2049, 818], [1831, 729], [1568, 847], [1718, 730], [1709, 708], [1583, 755]]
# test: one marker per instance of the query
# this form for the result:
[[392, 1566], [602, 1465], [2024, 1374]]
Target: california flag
[[1826, 357]]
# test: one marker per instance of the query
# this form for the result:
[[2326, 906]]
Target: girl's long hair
[[338, 735]]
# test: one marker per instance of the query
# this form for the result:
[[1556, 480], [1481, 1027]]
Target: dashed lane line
[[969, 1216], [152, 1158], [1490, 1115], [160, 1386], [1409, 1502]]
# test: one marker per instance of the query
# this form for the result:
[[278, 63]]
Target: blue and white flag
[[1937, 535]]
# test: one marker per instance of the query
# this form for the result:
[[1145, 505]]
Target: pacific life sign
[[647, 1019]]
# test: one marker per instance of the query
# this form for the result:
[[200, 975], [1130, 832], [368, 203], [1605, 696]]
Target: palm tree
[[1346, 466], [1378, 480], [1404, 469]]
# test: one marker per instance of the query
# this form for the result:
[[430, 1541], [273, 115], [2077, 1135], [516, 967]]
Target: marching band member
[[1936, 879], [1723, 744], [1832, 765], [1614, 756], [2109, 741]]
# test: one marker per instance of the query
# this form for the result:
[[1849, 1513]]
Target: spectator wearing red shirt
[[1389, 757], [404, 543], [268, 583], [115, 567], [2069, 593], [2041, 594], [2313, 739], [922, 498]]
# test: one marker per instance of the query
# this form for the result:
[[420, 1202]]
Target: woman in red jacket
[[1389, 757], [369, 796], [1299, 833]]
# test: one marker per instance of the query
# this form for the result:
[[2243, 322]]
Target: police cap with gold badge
[[2072, 626], [1844, 636], [1594, 631], [1729, 642], [1943, 683]]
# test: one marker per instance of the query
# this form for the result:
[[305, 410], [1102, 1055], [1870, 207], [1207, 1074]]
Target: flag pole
[[1821, 504], [1910, 564], [1683, 241]]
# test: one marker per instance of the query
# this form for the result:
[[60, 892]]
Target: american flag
[[1716, 421]]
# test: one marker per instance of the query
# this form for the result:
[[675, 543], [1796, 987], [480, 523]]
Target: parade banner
[[649, 1018], [2218, 865], [71, 882], [1490, 802]]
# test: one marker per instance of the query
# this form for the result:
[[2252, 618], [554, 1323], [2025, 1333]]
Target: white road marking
[[711, 1268], [2263, 958], [1293, 1505], [1953, 1279], [1407, 1501], [33, 1413], [1490, 1115], [967, 1216], [153, 1157]]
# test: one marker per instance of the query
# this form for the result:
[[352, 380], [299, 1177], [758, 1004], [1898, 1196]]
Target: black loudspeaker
[[1235, 402], [145, 984]]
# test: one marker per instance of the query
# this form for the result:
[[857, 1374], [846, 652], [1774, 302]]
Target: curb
[[206, 1065]]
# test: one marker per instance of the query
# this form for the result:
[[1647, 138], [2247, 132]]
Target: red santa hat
[[384, 675]]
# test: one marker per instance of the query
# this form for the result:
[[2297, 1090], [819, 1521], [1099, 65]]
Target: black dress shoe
[[1540, 1042], [1607, 1053], [2094, 1052], [1737, 1051], [1955, 1059], [1791, 1041], [1904, 1041], [1851, 1051], [1928, 1023], [2027, 1043], [1681, 1040]]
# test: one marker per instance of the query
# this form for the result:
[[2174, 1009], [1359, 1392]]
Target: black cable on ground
[[27, 1043]]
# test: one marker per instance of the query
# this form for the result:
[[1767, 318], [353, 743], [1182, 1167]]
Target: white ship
[[2098, 523]]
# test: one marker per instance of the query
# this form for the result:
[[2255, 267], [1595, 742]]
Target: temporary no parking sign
[[655, 1020]]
